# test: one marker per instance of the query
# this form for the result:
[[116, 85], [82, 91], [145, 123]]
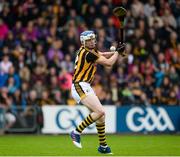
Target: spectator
[[25, 74], [3, 30], [5, 64], [55, 51], [32, 98], [15, 76], [173, 75], [65, 80], [30, 31], [158, 98], [67, 64], [39, 87], [149, 8], [3, 78], [137, 8], [127, 97], [175, 7], [11, 85], [170, 18], [45, 99], [6, 103], [19, 101]]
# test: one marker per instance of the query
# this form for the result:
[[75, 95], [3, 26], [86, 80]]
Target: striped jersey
[[85, 67]]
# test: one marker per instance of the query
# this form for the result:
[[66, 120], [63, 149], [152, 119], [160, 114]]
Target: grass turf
[[61, 145]]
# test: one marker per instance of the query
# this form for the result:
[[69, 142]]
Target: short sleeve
[[92, 56]]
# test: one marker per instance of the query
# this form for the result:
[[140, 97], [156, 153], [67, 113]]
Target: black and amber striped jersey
[[85, 66]]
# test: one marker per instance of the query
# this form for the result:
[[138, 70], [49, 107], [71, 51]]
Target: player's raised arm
[[107, 61], [109, 53], [106, 54]]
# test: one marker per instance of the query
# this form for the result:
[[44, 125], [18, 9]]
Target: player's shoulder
[[93, 51], [81, 49]]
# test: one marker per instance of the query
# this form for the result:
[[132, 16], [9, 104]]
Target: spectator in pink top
[[65, 80], [3, 30]]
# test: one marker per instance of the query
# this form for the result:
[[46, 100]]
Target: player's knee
[[101, 113], [101, 119]]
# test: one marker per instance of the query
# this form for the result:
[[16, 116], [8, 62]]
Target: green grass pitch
[[61, 145]]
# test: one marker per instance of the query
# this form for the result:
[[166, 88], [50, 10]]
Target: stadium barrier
[[161, 119], [24, 120], [129, 119], [63, 119]]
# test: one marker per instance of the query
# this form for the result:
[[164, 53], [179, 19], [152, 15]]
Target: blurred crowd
[[39, 39]]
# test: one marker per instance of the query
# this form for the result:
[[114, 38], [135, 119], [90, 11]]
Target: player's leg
[[100, 126], [93, 103]]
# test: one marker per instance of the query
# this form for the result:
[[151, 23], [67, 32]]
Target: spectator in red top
[[65, 80]]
